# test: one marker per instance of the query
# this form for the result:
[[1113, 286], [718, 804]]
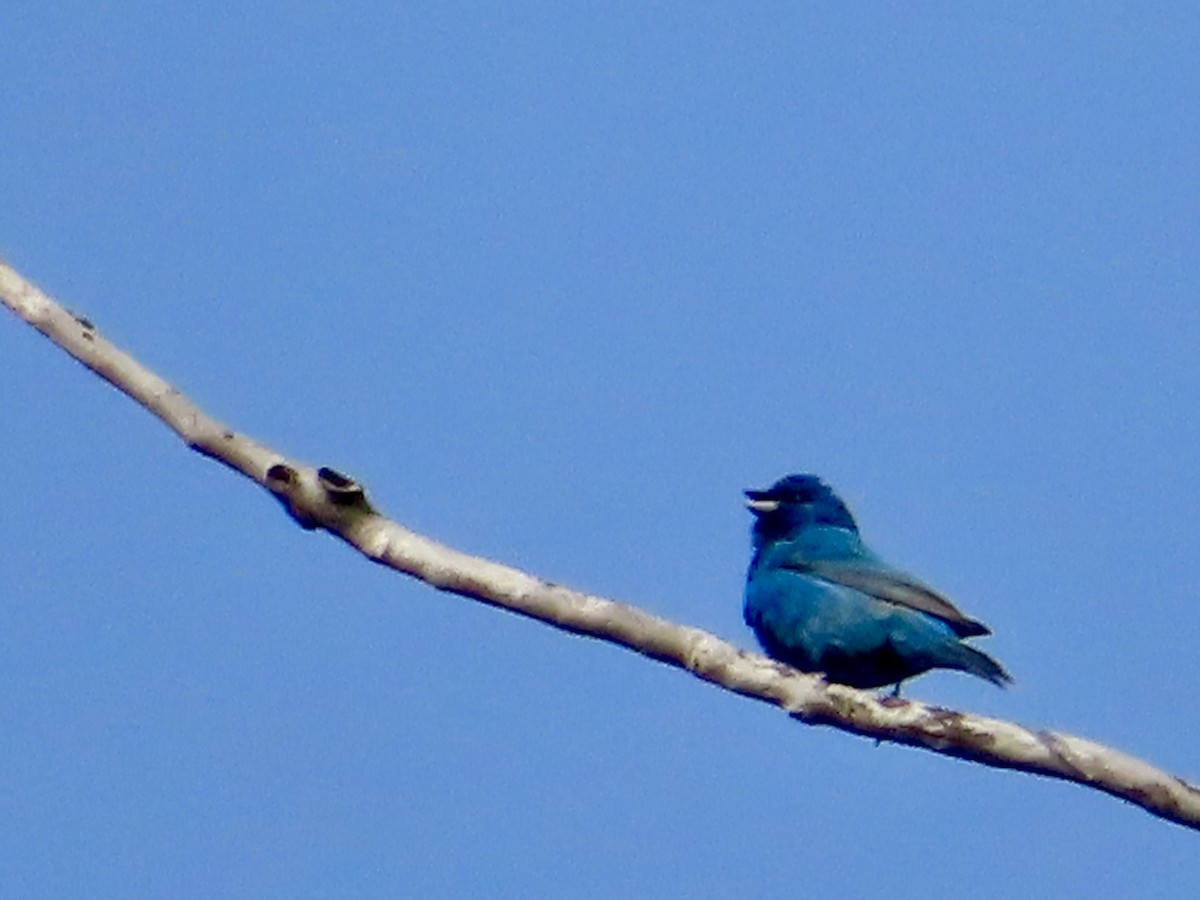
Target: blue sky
[[557, 282]]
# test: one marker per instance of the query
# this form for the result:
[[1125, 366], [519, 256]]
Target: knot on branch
[[341, 490], [313, 499], [88, 332]]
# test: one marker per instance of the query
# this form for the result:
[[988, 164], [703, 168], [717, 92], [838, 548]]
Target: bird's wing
[[897, 587], [845, 561]]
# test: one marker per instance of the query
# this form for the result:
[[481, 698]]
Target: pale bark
[[323, 498]]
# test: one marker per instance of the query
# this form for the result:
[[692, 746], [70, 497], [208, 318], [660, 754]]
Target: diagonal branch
[[323, 498]]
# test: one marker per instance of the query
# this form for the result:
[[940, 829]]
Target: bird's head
[[792, 504]]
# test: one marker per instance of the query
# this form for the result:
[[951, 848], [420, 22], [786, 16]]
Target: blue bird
[[821, 600]]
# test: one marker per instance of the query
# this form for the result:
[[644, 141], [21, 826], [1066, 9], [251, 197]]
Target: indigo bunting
[[821, 600]]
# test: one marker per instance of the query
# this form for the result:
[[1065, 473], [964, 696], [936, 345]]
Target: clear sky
[[558, 281]]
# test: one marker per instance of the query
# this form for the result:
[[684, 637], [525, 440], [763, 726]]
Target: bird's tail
[[979, 663]]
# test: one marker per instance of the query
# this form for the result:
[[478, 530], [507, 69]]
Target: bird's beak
[[757, 502]]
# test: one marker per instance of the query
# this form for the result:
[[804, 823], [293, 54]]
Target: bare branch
[[323, 498]]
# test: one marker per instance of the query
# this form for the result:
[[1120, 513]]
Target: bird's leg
[[886, 698], [893, 694]]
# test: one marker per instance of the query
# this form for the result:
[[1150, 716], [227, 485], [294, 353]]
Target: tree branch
[[323, 498]]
